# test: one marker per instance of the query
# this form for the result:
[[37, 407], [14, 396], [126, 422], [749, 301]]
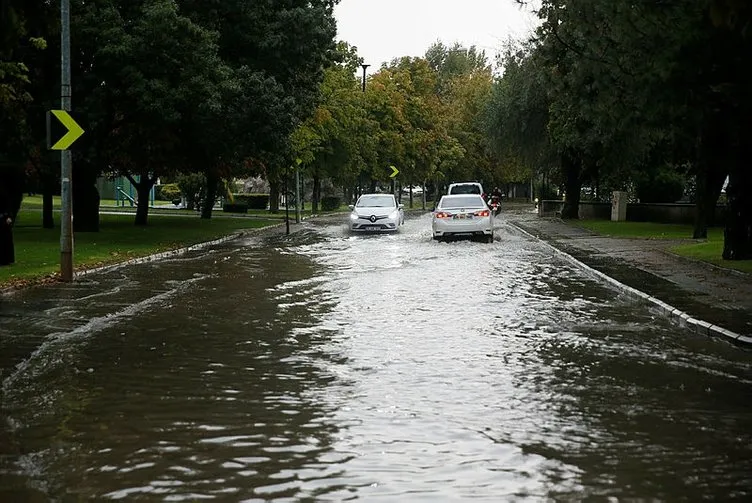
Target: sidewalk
[[719, 296]]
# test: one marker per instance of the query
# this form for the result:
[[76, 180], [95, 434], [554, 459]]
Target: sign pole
[[297, 191], [66, 158], [287, 205]]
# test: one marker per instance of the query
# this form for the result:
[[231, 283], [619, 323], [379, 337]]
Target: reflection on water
[[328, 366]]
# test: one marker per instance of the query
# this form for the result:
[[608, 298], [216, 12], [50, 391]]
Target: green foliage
[[252, 201], [330, 203], [167, 192], [664, 185], [193, 188]]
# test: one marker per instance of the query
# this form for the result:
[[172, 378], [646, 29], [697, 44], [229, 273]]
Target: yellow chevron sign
[[395, 171], [73, 130]]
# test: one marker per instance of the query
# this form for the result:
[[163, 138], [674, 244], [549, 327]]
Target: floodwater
[[323, 366]]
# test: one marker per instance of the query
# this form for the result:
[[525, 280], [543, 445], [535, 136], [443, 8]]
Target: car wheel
[[490, 238]]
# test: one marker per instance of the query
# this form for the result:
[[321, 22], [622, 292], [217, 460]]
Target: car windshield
[[448, 203], [465, 189], [376, 202]]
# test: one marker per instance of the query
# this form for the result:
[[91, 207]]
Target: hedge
[[167, 192], [330, 203], [252, 201], [235, 208]]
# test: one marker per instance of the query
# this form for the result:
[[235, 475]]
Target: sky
[[387, 29]]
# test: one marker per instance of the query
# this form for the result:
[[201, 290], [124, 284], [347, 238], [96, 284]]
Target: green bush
[[662, 186], [167, 192], [330, 203], [234, 208], [252, 201]]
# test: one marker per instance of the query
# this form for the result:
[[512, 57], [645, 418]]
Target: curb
[[175, 253], [673, 314], [156, 256]]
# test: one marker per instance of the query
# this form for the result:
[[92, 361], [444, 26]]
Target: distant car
[[462, 215], [466, 188], [376, 213], [417, 189]]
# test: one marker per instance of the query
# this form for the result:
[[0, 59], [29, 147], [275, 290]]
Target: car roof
[[377, 194], [458, 196]]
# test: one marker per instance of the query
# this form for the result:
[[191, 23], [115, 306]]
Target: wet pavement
[[713, 294], [327, 367]]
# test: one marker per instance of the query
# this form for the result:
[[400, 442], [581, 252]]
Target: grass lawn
[[38, 249], [709, 250], [645, 230], [167, 208]]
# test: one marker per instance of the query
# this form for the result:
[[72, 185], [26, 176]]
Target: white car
[[465, 188], [376, 213], [463, 215]]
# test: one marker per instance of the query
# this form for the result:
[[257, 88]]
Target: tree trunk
[[737, 243], [411, 197], [373, 185], [143, 187], [212, 180], [11, 196], [48, 220], [273, 195], [715, 155], [572, 166], [85, 199], [709, 185], [316, 197]]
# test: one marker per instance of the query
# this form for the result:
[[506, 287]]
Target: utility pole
[[66, 156]]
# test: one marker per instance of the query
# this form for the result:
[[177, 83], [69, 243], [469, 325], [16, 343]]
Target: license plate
[[462, 217], [373, 228]]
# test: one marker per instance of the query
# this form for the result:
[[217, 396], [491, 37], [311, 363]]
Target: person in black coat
[[7, 251]]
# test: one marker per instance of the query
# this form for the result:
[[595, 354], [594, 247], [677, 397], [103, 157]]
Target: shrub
[[330, 203], [252, 201], [167, 192], [663, 186], [234, 208]]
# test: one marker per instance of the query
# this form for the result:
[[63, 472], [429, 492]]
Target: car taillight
[[482, 213], [441, 214]]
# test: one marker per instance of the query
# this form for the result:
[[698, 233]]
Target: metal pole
[[364, 76], [287, 207], [66, 160], [297, 194]]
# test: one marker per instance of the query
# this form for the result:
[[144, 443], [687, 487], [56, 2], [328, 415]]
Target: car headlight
[[353, 216], [394, 215]]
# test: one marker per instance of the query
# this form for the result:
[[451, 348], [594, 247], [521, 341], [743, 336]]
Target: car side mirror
[[401, 206], [351, 206]]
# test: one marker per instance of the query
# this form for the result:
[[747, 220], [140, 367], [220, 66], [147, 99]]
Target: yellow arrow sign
[[74, 130], [395, 171]]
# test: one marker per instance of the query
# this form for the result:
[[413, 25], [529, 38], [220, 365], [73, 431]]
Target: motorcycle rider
[[495, 198]]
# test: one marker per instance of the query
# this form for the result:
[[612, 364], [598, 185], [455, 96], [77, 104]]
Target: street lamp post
[[364, 66]]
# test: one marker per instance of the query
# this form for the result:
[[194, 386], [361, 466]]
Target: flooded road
[[323, 366]]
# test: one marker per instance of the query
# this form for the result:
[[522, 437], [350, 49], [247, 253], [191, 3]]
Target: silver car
[[463, 215], [376, 213]]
